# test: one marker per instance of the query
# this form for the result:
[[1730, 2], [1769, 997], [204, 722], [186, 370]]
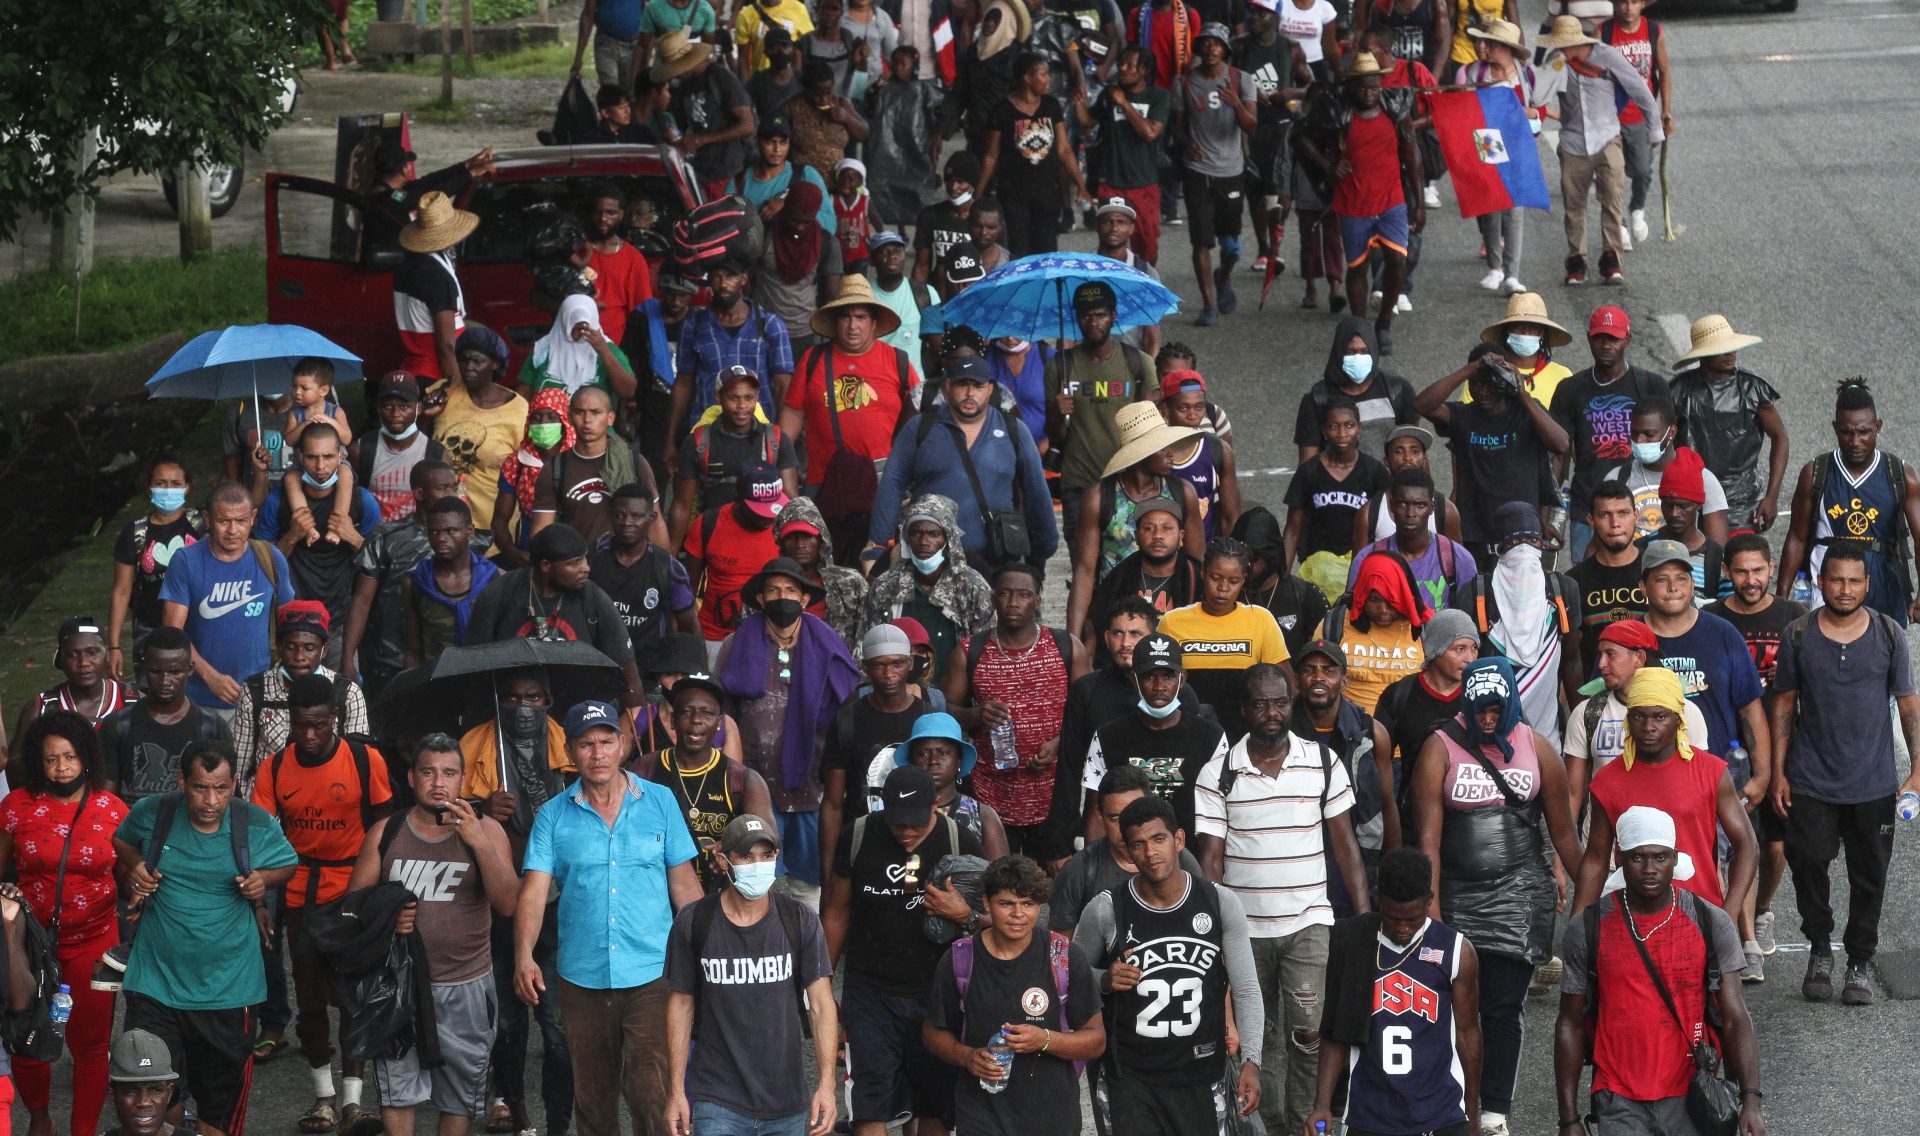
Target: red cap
[[916, 631], [1632, 634], [1611, 321], [302, 615], [798, 525], [1173, 382], [1685, 479]]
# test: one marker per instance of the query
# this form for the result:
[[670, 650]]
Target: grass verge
[[547, 61], [124, 302]]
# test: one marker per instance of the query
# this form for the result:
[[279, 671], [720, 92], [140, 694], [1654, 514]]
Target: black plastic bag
[[380, 1001], [574, 119], [962, 873]]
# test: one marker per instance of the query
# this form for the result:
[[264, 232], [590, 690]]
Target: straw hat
[[1500, 31], [1143, 433], [1526, 307], [1362, 65], [1015, 26], [675, 55], [1713, 335], [1565, 31], [855, 292], [438, 225]]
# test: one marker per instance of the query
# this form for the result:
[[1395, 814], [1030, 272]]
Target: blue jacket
[[1001, 453]]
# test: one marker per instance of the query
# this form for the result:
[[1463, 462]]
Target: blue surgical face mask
[[928, 565], [1525, 346], [412, 429], [327, 484], [168, 498], [755, 879], [1646, 453], [1357, 367], [1157, 712]]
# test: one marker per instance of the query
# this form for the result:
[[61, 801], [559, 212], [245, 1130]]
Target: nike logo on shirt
[[226, 597]]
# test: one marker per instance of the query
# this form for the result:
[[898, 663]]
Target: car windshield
[[512, 211]]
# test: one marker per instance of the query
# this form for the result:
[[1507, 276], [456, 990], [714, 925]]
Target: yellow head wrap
[[1658, 686]]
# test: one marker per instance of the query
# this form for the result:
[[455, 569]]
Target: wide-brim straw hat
[[1713, 335], [1501, 31], [438, 225], [855, 292], [1526, 307], [1143, 433], [676, 55], [1016, 26], [1565, 31], [1362, 65]]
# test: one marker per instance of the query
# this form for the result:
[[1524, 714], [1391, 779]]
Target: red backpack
[[711, 232]]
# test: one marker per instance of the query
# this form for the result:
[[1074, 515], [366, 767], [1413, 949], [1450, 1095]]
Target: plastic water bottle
[[1002, 1055], [1006, 752], [1738, 757], [1909, 806], [62, 1009], [1803, 589]]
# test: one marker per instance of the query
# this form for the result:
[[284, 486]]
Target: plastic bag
[[380, 1001], [1327, 572], [962, 873], [575, 118]]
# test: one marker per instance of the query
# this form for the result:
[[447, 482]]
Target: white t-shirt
[[1302, 26], [1609, 738]]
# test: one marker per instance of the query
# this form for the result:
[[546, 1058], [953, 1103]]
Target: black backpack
[[788, 910]]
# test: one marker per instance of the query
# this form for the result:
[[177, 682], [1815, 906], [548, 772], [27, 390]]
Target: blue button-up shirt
[[615, 910]]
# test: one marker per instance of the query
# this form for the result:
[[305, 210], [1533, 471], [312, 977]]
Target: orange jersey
[[320, 811]]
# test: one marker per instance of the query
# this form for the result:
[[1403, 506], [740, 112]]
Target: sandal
[[268, 1048], [319, 1119], [349, 1115], [500, 1117]]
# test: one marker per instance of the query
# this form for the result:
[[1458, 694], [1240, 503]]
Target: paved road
[[1794, 175]]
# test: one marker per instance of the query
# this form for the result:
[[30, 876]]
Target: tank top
[[1116, 530], [1033, 684], [1201, 470], [1468, 786], [1373, 148], [114, 695], [1410, 29], [1171, 1028], [454, 919], [705, 797], [1409, 1077], [1637, 46], [1863, 508]]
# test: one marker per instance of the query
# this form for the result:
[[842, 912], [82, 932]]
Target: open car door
[[330, 262]]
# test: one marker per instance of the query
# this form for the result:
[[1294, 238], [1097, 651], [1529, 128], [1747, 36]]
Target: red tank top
[[1033, 684], [1688, 791], [1373, 149], [1637, 46]]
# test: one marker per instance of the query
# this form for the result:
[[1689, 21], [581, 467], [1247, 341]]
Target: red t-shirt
[[319, 810], [1689, 792], [867, 391], [1638, 1051], [732, 557], [1165, 66], [1373, 148], [1637, 46], [38, 825], [621, 281]]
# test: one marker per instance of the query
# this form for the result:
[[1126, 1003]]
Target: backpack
[[860, 837], [1059, 960], [1229, 776], [1481, 602], [192, 516], [1589, 920], [238, 832], [1385, 544], [363, 768], [770, 438], [1895, 471], [787, 909], [1136, 367], [257, 692], [977, 646], [714, 231]]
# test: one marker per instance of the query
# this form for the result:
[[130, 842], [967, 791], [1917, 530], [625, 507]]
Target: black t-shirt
[[727, 454], [507, 608], [1598, 420], [769, 94], [1410, 711], [573, 488], [421, 277], [643, 592], [1607, 596], [1271, 66], [1297, 606], [324, 570], [148, 548], [704, 105], [939, 228], [1331, 504], [1171, 758], [1762, 630], [860, 731], [885, 945], [1027, 167], [1501, 459], [1043, 1091], [145, 755]]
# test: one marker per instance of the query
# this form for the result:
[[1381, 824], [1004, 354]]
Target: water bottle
[[1006, 753], [1738, 757], [1557, 517], [1803, 589], [1909, 806], [1002, 1055], [62, 1009]]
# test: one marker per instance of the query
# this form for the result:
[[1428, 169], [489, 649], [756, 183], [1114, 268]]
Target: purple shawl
[[824, 677]]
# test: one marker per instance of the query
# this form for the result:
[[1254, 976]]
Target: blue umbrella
[[243, 361], [1032, 298]]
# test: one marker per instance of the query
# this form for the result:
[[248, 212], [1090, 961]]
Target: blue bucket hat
[[938, 725]]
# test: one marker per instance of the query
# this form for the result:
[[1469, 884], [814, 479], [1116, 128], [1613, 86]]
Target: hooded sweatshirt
[[846, 588], [1297, 606], [1386, 402], [959, 604]]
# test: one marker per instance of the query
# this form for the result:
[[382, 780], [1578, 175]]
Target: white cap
[[1645, 827]]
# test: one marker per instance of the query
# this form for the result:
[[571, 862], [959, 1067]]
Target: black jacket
[[355, 935]]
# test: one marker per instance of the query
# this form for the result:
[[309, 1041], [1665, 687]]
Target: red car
[[324, 275]]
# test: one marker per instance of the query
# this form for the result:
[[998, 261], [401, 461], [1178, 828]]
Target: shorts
[[1769, 827], [1213, 206], [1157, 1110], [890, 1074], [800, 846], [212, 1050], [1362, 235], [465, 1017]]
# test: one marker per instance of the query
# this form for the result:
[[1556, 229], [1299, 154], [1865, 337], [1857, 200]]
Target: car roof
[[584, 161]]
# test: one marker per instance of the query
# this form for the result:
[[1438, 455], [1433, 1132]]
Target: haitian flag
[[1490, 152]]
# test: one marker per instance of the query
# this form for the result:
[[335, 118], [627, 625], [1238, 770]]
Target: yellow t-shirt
[[1464, 18], [748, 32], [1379, 657], [1235, 641], [1542, 383], [478, 443]]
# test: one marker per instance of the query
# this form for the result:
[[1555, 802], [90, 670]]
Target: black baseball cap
[[1325, 647], [907, 796], [1156, 653]]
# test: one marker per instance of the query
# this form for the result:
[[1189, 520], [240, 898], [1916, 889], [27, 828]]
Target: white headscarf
[[565, 359]]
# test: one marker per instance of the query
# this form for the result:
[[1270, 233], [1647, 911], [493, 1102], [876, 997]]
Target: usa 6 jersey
[[1408, 1077]]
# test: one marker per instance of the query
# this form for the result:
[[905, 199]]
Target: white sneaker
[[1491, 280], [1493, 1124], [1626, 239], [1512, 286], [1373, 301], [1404, 304], [1431, 196], [1639, 221]]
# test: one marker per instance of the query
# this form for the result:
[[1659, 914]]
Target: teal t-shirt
[[198, 948]]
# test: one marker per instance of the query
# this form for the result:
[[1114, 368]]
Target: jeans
[[510, 1042], [1577, 542], [1603, 171], [710, 1119], [1503, 1027], [1637, 156], [613, 60], [618, 1039], [1504, 233], [1296, 964], [1816, 832]]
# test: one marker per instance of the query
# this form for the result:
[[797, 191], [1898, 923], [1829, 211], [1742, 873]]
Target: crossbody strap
[[1653, 972], [1458, 734], [60, 874], [973, 476]]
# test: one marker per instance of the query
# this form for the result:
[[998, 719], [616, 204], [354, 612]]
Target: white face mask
[[1646, 453], [960, 198], [755, 879]]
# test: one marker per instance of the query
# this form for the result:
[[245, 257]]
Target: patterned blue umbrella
[[1032, 297]]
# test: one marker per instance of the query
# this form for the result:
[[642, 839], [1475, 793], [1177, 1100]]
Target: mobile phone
[[441, 813]]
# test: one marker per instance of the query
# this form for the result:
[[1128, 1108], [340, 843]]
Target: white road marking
[[1270, 471], [1837, 56], [1679, 331]]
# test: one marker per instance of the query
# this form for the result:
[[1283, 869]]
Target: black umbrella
[[456, 691]]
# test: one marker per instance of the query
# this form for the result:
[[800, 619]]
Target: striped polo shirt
[[1275, 856]]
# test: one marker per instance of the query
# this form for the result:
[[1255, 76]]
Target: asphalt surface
[[1792, 173]]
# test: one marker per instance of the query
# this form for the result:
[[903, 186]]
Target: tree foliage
[[163, 81]]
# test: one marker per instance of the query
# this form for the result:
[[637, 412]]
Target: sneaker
[[1492, 279], [109, 972], [1228, 301], [1639, 221], [1610, 268], [1373, 301], [1258, 266], [1176, 220], [1403, 304], [1754, 972], [1626, 239], [1817, 986], [1209, 317], [1576, 271], [1337, 302], [1862, 988], [1546, 979], [1512, 286], [1763, 933], [1431, 196]]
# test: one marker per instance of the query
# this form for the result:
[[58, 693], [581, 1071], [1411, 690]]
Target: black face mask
[[782, 613], [721, 303], [65, 788], [523, 722]]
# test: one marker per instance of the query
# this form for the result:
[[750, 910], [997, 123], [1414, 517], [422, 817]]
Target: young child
[[313, 402], [851, 211], [652, 115]]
